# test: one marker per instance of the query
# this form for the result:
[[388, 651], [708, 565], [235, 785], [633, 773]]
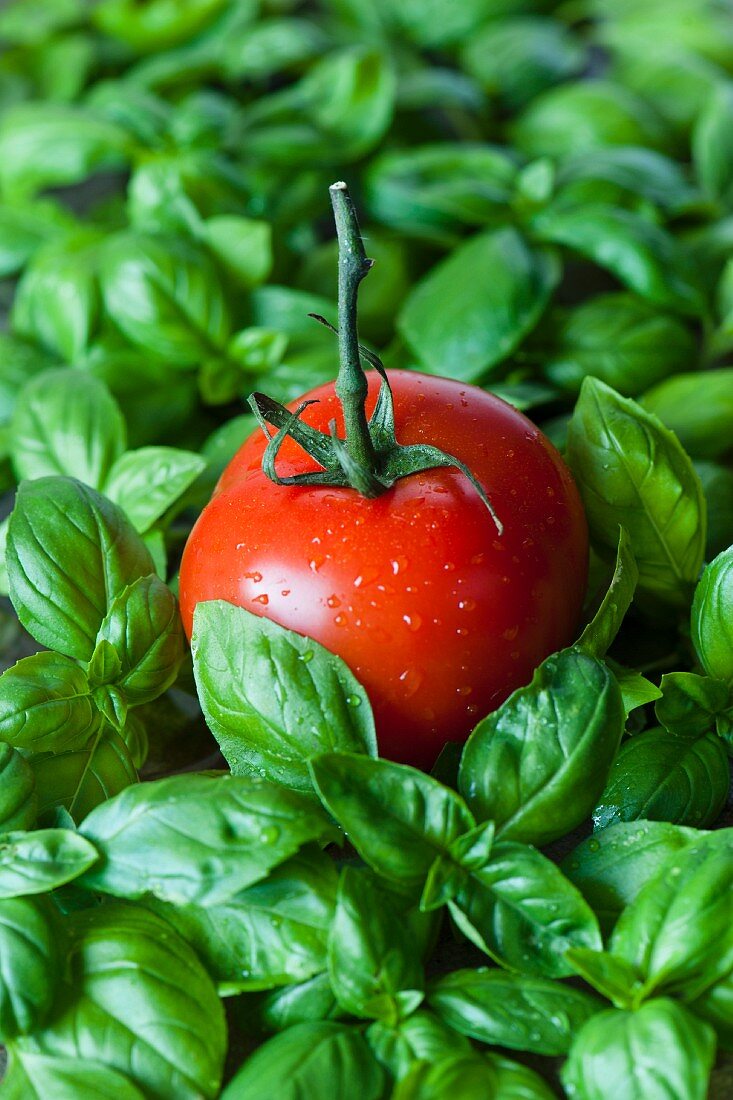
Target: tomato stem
[[351, 384]]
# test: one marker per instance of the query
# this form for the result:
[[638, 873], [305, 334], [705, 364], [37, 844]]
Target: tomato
[[437, 615]]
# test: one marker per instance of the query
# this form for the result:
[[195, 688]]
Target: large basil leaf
[[712, 147], [677, 933], [522, 911], [632, 471], [598, 635], [31, 964], [466, 1075], [310, 1059], [538, 763], [69, 553], [374, 960], [165, 295], [79, 780], [66, 422], [640, 172], [659, 776], [611, 867], [281, 1008], [39, 1077], [20, 361], [271, 934], [147, 482], [242, 245], [144, 627], [515, 1081], [25, 227], [140, 1002], [33, 863], [46, 705], [420, 1037], [659, 1052], [698, 407], [212, 837], [642, 255], [625, 341], [397, 818], [512, 1010], [690, 705], [716, 1006], [475, 307], [712, 618], [18, 799], [273, 698]]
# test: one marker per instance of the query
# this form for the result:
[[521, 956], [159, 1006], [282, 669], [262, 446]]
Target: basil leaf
[[144, 627], [677, 932], [611, 867], [397, 818], [612, 977], [46, 705], [70, 552], [632, 471], [18, 800], [698, 408], [273, 698], [421, 1037], [140, 1002], [716, 1007], [25, 227], [272, 933], [511, 1010], [31, 960], [658, 776], [307, 1060], [33, 863], [598, 635], [373, 959], [466, 1075], [522, 911], [165, 296], [515, 1081], [642, 255], [536, 765], [617, 1054], [640, 172], [689, 704], [711, 146], [79, 780], [147, 482], [291, 1004], [636, 690], [243, 246], [625, 341], [717, 485], [212, 837], [67, 422], [474, 308], [712, 618], [20, 361], [37, 1076]]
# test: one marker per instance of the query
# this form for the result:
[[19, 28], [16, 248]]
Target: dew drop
[[467, 604], [449, 567], [256, 577], [477, 559], [414, 621], [465, 690], [594, 845], [269, 835], [353, 700], [306, 656], [264, 599], [511, 633], [333, 601], [340, 619]]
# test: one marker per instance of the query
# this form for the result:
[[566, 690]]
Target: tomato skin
[[438, 616]]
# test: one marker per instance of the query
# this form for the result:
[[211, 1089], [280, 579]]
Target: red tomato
[[438, 616]]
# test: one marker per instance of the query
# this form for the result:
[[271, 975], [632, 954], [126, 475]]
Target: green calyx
[[368, 459]]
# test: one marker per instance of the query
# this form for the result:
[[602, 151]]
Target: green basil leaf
[[515, 1081], [636, 690], [641, 172], [271, 934], [20, 361], [677, 932], [522, 911], [46, 705], [689, 703], [397, 818], [81, 779], [625, 341], [165, 296], [642, 255], [18, 800], [716, 1007], [717, 485], [658, 776], [421, 1037], [24, 228], [140, 1002], [536, 765], [612, 977], [243, 246], [66, 422], [31, 964], [712, 618], [712, 149], [53, 144], [611, 867], [70, 552], [38, 1076], [273, 698], [618, 1054], [466, 1075], [698, 407], [474, 308], [262, 50], [33, 863], [147, 482], [282, 1008], [511, 1010], [374, 962], [309, 1059], [598, 635], [632, 471], [212, 837], [144, 627]]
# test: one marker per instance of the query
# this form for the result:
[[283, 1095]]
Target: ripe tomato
[[438, 616]]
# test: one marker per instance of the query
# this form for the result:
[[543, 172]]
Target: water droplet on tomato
[[398, 564], [285, 592], [477, 559], [264, 599], [256, 577], [465, 690], [412, 679], [333, 601], [462, 631], [467, 604], [511, 633], [315, 564], [449, 567], [340, 619], [414, 621]]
